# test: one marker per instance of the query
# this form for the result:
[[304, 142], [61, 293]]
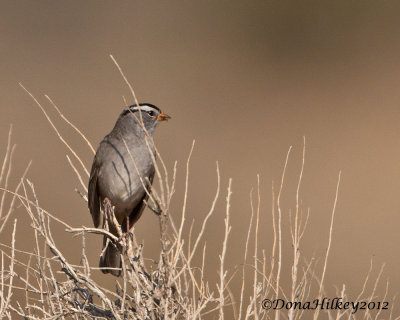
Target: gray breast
[[122, 166]]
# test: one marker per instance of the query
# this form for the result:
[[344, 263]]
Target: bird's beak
[[163, 117]]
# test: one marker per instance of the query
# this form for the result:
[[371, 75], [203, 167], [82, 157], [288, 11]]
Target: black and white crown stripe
[[144, 107]]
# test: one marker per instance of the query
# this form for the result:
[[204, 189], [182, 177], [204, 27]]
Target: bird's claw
[[129, 236]]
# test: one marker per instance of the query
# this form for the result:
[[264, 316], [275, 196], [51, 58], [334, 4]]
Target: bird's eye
[[150, 113]]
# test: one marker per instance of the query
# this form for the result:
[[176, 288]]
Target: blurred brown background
[[246, 79]]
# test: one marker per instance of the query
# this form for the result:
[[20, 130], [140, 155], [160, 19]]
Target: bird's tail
[[110, 258]]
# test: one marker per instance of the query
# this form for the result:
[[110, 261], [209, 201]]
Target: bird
[[122, 171]]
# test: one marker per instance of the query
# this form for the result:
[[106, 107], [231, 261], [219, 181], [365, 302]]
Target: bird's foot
[[128, 237], [128, 243]]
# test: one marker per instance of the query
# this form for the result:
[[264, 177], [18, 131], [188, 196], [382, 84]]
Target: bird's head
[[146, 112]]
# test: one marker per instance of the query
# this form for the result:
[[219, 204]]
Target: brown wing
[[138, 210], [93, 195]]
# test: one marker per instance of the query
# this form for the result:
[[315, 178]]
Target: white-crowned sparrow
[[123, 162]]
